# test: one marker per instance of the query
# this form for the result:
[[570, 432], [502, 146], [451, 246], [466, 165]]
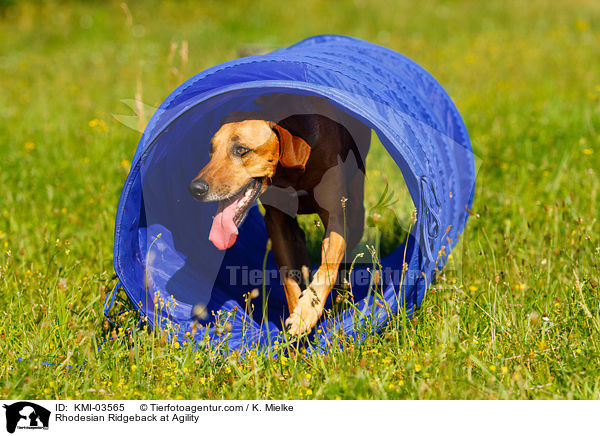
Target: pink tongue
[[223, 232]]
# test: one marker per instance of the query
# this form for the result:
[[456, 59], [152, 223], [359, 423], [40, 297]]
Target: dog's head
[[243, 156]]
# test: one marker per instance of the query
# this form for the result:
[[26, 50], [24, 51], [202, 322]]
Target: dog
[[302, 164]]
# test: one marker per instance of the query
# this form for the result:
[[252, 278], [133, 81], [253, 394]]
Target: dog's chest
[[306, 202]]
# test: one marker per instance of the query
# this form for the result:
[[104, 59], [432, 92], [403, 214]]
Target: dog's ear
[[293, 150]]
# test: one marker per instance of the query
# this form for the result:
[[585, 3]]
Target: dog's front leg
[[311, 302], [289, 249]]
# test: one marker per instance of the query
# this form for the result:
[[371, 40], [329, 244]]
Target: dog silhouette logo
[[26, 415]]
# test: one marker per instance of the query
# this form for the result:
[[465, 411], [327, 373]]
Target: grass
[[516, 316]]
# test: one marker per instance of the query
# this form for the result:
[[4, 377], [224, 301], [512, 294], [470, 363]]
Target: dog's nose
[[198, 188]]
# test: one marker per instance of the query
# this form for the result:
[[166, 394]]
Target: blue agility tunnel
[[163, 258]]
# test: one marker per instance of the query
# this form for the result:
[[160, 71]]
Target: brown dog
[[304, 164]]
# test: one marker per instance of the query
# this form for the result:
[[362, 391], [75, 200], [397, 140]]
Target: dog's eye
[[240, 151]]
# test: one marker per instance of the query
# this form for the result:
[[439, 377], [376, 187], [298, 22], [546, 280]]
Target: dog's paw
[[305, 315]]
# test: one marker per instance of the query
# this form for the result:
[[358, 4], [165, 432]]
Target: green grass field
[[517, 316]]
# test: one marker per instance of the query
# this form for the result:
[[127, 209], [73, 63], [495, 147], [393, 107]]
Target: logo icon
[[26, 415]]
